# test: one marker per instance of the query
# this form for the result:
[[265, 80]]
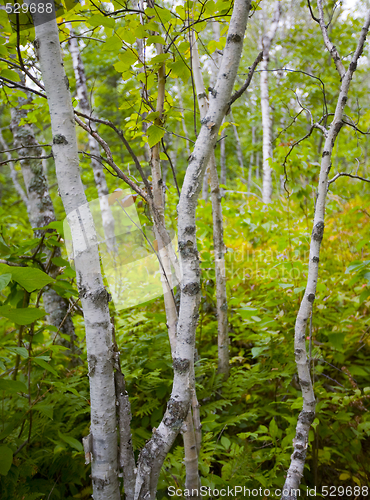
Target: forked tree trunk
[[94, 297], [218, 240], [154, 452], [265, 107], [188, 432], [40, 213], [307, 414], [97, 167]]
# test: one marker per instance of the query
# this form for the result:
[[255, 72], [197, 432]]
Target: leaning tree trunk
[[305, 419], [40, 213], [218, 237], [265, 107], [97, 167], [152, 456], [94, 297], [188, 429]]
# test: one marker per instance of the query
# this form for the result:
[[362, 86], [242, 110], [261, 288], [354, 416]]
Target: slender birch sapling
[[307, 414], [265, 106], [218, 240]]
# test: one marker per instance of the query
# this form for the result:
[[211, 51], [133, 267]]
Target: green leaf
[[71, 441], [112, 44], [160, 58], [6, 460], [47, 410], [155, 134], [99, 20], [4, 280], [10, 74], [41, 362], [12, 385], [273, 428], [22, 351], [155, 39], [22, 316], [29, 278]]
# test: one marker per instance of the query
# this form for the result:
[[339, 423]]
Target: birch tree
[[153, 454], [330, 134], [267, 39], [40, 212], [97, 167], [94, 298], [218, 241], [103, 437]]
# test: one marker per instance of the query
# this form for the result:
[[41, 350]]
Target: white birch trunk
[[265, 107], [307, 414], [13, 172], [191, 454], [251, 161], [239, 151], [154, 452], [218, 241], [40, 213], [181, 101], [94, 298], [97, 167]]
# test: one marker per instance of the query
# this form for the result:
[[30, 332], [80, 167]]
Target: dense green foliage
[[248, 421]]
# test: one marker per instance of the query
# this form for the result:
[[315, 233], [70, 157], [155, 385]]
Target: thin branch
[[356, 128], [9, 263], [26, 158], [171, 164], [110, 160], [20, 59], [288, 154], [307, 74], [311, 12], [288, 126], [109, 154], [329, 45], [343, 174], [25, 147], [20, 86], [247, 82]]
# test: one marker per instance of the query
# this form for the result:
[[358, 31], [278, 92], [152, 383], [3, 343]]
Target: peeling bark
[[307, 415], [94, 298], [265, 106]]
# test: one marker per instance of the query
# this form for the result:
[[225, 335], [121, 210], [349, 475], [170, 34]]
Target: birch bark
[[97, 167], [40, 213], [13, 172], [307, 414], [94, 298], [218, 241], [239, 151], [152, 456], [188, 433], [265, 106]]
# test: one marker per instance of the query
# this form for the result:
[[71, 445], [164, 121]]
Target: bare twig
[[329, 45], [247, 82], [344, 174]]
